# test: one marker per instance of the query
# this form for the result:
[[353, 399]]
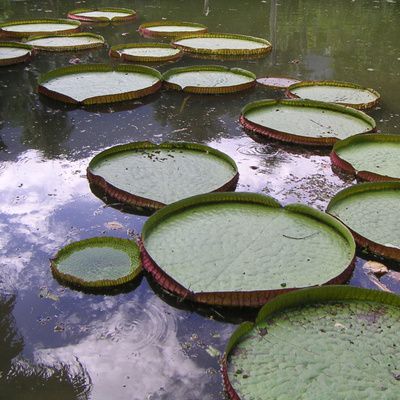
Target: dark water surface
[[58, 342]]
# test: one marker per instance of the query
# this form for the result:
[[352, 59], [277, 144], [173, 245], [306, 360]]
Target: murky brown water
[[141, 344]]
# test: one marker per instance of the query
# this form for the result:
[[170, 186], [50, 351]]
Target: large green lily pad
[[97, 262], [224, 44], [305, 121], [348, 94], [29, 27], [99, 83], [369, 157], [372, 212], [14, 53], [148, 175], [209, 79], [242, 249], [170, 28], [69, 42], [102, 14], [145, 52], [334, 342]]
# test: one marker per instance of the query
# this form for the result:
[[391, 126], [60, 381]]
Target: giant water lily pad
[[277, 82], [14, 53], [29, 27], [170, 28], [69, 42], [372, 212], [305, 121], [369, 157], [334, 342], [242, 249], [209, 79], [102, 14], [145, 52], [99, 83], [97, 262], [148, 175], [224, 44], [348, 94]]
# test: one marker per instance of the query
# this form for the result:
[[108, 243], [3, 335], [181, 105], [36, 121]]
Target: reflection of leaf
[[375, 268]]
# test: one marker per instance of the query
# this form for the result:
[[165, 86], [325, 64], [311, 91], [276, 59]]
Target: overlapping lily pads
[[143, 174], [97, 262], [307, 122], [29, 27], [102, 14], [334, 342], [146, 52], [223, 44], [242, 249], [99, 83], [170, 29], [277, 82], [69, 42], [14, 53], [372, 212], [348, 94], [369, 157], [209, 79]]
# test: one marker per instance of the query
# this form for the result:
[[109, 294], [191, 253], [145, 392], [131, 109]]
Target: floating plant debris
[[14, 53], [277, 82], [170, 28], [369, 157], [305, 121], [333, 342], [372, 212], [98, 262], [29, 27], [102, 14], [148, 175], [69, 42], [348, 94], [145, 52], [242, 249], [209, 79], [99, 83]]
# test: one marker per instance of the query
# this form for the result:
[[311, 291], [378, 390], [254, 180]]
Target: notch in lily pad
[[101, 262], [15, 53], [102, 14], [170, 29]]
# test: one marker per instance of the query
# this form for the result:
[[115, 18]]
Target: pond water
[[142, 344]]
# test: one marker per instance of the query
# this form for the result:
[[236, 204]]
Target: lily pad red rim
[[16, 60], [281, 87], [363, 242], [75, 26], [209, 89], [298, 298], [115, 52], [67, 48], [147, 203], [145, 31], [225, 52], [255, 298], [128, 246], [299, 139], [358, 106], [131, 14], [75, 69], [339, 162]]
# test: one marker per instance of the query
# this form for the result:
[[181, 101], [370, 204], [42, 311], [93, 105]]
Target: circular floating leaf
[[242, 249], [148, 175], [304, 121], [348, 94], [333, 342], [223, 44], [97, 262], [102, 14], [369, 157], [209, 79], [14, 53], [29, 27], [170, 28], [69, 42], [372, 213], [277, 82], [99, 83], [145, 52]]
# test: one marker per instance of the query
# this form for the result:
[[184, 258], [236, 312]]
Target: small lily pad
[[102, 14], [170, 28], [97, 262], [146, 52], [277, 82], [209, 79], [14, 53]]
